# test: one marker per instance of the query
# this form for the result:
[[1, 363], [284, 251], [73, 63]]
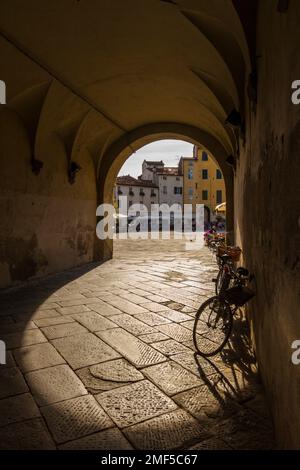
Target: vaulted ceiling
[[94, 70]]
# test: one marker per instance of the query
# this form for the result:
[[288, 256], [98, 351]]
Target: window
[[205, 195], [177, 178], [165, 190], [205, 174], [190, 174], [204, 156], [131, 193], [141, 202], [219, 196], [164, 177], [191, 191], [129, 203], [196, 185], [218, 174], [177, 190]]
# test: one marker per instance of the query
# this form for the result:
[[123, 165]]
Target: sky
[[169, 151]]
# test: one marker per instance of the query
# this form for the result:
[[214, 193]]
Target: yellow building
[[203, 181]]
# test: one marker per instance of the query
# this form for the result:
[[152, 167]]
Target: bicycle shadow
[[233, 372], [233, 406]]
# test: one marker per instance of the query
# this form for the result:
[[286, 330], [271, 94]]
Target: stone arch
[[121, 149]]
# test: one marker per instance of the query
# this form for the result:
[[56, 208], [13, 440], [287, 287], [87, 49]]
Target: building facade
[[197, 180], [169, 181], [203, 182], [137, 191], [170, 186], [149, 168]]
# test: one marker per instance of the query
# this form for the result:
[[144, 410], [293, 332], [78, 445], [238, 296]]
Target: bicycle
[[213, 240], [222, 281], [214, 319], [226, 257]]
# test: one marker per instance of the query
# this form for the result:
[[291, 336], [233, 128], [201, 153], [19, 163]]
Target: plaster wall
[[136, 198], [167, 195], [267, 202], [46, 224]]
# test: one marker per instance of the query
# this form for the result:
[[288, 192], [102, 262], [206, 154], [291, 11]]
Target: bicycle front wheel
[[212, 327]]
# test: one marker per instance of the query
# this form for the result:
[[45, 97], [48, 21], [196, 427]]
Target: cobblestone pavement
[[101, 357]]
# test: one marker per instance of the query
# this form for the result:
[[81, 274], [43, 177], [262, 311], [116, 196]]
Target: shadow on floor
[[229, 405], [240, 415], [43, 288]]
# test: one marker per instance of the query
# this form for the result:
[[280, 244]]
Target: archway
[[193, 63], [119, 151]]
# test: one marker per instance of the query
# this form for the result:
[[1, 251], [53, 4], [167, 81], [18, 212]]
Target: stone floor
[[101, 357]]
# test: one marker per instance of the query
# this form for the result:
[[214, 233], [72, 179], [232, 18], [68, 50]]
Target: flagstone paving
[[75, 418], [101, 357]]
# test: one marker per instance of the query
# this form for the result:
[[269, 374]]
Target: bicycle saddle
[[242, 271]]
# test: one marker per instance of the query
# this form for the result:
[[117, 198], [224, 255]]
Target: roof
[[172, 171], [128, 180], [149, 162]]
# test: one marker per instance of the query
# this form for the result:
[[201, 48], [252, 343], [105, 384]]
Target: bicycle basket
[[221, 250], [233, 251], [238, 295]]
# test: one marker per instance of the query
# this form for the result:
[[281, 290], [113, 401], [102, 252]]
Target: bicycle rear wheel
[[212, 327]]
